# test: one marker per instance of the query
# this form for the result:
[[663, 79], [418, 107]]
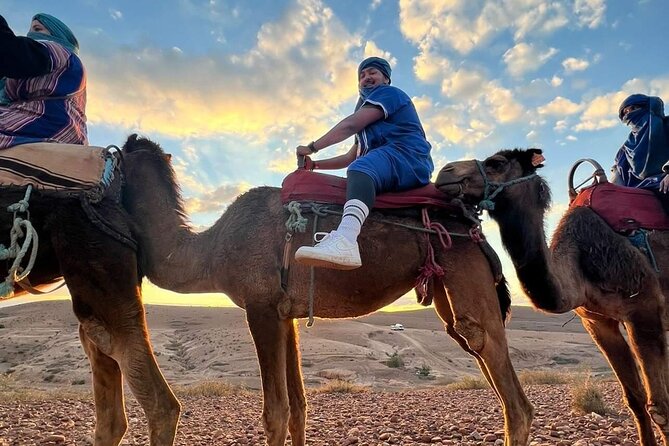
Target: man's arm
[[21, 57]]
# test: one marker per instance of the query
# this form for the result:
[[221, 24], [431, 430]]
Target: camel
[[101, 273], [241, 256], [589, 268]]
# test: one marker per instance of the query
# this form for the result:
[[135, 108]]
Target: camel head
[[508, 175]]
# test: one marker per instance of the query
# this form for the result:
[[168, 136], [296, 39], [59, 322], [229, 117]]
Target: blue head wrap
[[60, 33], [640, 159], [380, 64]]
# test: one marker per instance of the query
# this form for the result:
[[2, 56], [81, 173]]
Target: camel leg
[[125, 340], [475, 310], [296, 398], [606, 334], [444, 311], [148, 385], [270, 336], [648, 342], [111, 422]]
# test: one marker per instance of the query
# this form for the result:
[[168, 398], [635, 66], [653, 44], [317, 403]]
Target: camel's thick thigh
[[111, 422], [296, 397], [606, 334], [270, 336]]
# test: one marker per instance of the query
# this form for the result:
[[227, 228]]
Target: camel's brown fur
[[241, 256], [590, 269], [102, 276]]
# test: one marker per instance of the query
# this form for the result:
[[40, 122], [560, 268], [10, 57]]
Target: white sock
[[355, 213]]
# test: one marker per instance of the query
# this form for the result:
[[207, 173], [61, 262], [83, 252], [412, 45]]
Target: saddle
[[307, 186], [87, 173], [625, 209], [66, 168], [304, 185]]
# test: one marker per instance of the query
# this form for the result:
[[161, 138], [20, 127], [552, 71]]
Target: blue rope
[[487, 203]]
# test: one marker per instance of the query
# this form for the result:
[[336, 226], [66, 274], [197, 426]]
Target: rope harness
[[487, 204], [21, 228], [298, 223]]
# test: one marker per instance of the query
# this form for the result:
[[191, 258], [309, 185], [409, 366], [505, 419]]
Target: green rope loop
[[21, 228], [296, 222]]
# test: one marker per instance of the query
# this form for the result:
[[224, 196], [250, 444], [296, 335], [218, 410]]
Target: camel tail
[[504, 297]]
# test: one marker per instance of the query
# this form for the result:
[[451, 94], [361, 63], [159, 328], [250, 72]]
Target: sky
[[231, 87]]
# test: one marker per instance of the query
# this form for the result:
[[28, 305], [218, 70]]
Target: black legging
[[360, 186]]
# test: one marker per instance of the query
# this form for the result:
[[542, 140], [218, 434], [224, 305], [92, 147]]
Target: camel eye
[[495, 163]]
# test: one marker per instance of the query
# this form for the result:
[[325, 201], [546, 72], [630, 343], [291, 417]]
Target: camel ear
[[168, 157], [537, 157]]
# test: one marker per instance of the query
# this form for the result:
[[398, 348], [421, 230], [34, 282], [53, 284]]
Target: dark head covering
[[60, 32], [640, 160], [651, 104], [380, 64]]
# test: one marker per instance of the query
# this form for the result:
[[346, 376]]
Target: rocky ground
[[435, 416]]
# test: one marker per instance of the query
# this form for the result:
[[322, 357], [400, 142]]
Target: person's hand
[[303, 151], [309, 164], [664, 184]]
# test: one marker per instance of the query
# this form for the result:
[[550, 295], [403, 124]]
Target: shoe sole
[[319, 263]]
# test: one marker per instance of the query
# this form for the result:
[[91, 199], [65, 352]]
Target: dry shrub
[[534, 377], [209, 388], [469, 383], [394, 361], [341, 386], [587, 397]]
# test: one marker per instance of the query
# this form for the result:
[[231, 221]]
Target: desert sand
[[39, 348]]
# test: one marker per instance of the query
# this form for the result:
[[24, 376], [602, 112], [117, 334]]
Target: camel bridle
[[492, 188]]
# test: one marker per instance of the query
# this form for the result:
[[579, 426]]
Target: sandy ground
[[39, 348]]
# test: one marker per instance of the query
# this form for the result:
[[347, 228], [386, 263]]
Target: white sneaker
[[332, 250]]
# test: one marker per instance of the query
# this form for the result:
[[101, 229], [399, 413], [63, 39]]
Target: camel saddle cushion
[[59, 167], [624, 208], [305, 185]]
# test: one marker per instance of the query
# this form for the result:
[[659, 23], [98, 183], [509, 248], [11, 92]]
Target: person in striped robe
[[42, 85]]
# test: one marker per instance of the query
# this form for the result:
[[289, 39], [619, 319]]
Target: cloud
[[556, 81], [601, 112], [524, 58], [308, 51], [216, 200], [115, 14], [559, 107], [571, 64], [465, 25], [431, 67], [590, 13]]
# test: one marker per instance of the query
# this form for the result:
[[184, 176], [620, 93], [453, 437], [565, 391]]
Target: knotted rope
[[431, 268], [20, 228]]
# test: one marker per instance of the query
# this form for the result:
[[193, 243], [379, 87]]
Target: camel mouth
[[453, 189]]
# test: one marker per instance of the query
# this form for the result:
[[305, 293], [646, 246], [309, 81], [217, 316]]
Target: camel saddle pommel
[[624, 208], [65, 168], [305, 185]]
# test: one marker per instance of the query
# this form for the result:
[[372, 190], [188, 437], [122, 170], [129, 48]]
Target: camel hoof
[[658, 418]]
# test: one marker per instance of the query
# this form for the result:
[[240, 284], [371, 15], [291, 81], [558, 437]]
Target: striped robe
[[47, 108]]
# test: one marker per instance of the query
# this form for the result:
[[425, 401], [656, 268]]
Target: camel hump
[[304, 185]]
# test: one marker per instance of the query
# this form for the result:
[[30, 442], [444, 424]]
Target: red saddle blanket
[[304, 185], [624, 208]]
